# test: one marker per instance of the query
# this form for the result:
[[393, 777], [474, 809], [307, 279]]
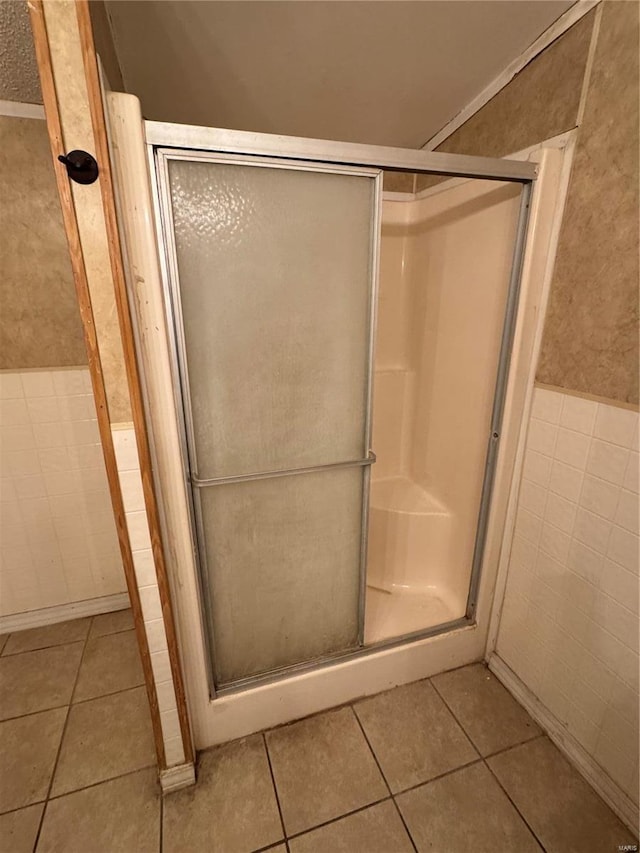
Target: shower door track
[[271, 148]]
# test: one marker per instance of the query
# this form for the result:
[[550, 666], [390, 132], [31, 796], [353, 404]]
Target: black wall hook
[[81, 166]]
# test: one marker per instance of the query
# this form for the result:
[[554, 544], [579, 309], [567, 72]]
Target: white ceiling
[[387, 73]]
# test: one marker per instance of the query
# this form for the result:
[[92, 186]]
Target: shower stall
[[326, 369]]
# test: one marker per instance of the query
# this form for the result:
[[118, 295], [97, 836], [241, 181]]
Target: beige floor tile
[[105, 738], [3, 641], [18, 830], [28, 749], [46, 636], [377, 829], [466, 810], [488, 713], [413, 735], [323, 769], [111, 623], [110, 663], [119, 816], [233, 807], [35, 681], [560, 807]]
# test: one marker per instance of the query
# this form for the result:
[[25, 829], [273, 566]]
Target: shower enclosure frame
[[214, 145]]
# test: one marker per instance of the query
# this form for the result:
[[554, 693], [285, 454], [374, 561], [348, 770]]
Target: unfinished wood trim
[[56, 140], [131, 364]]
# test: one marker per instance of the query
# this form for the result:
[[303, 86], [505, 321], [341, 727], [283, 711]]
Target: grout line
[[508, 796], [275, 791], [338, 818], [62, 737], [75, 704], [375, 758], [5, 654], [102, 782], [438, 777], [484, 761], [450, 710]]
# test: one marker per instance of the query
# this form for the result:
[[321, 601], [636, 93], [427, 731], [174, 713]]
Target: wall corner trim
[[176, 778], [614, 796]]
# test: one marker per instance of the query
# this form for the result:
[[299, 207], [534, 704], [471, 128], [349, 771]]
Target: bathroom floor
[[447, 764]]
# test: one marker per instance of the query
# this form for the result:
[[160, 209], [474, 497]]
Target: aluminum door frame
[[325, 155]]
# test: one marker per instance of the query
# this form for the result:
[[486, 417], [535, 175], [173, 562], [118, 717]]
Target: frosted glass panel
[[275, 285], [283, 557]]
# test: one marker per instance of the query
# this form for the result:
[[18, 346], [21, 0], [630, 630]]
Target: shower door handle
[[285, 472]]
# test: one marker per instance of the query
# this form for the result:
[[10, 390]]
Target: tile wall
[[131, 485], [58, 537], [569, 626]]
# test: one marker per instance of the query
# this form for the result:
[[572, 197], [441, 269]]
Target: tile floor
[[448, 764]]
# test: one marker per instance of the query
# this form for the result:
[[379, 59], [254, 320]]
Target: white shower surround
[[235, 715]]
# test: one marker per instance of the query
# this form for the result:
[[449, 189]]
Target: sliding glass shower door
[[272, 269]]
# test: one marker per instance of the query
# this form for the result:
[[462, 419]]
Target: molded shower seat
[[409, 538]]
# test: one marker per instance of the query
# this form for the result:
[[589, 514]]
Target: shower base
[[393, 614]]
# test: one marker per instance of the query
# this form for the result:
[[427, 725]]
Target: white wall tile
[[537, 468], [150, 602], [63, 547], [592, 530], [607, 461], [578, 414], [599, 496], [623, 548], [631, 475], [560, 512], [156, 635], [174, 751], [38, 383], [10, 386], [166, 696], [569, 624], [621, 584], [542, 436], [616, 425], [161, 666], [565, 480], [547, 405], [554, 542], [132, 493], [572, 448], [144, 567], [124, 443], [533, 497], [13, 411], [138, 530], [627, 512]]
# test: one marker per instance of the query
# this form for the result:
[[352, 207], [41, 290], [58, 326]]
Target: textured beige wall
[[590, 340], [19, 80], [39, 318]]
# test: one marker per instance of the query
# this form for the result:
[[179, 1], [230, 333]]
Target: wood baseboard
[[584, 763], [176, 778], [63, 612]]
